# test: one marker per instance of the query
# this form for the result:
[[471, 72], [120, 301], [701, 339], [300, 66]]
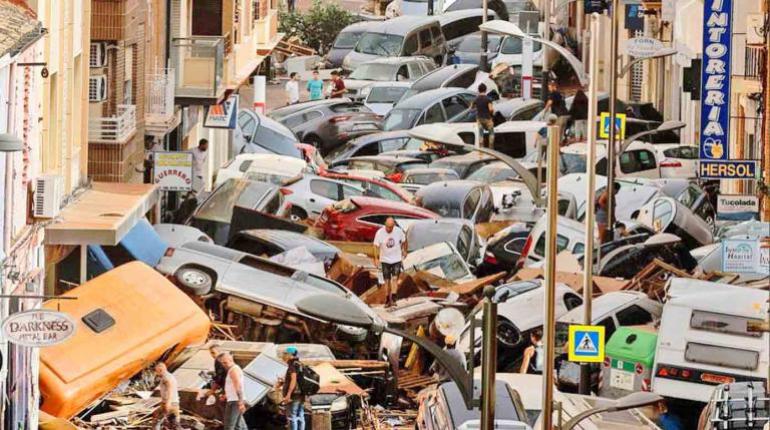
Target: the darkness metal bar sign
[[715, 93]]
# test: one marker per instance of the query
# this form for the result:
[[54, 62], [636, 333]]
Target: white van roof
[[715, 297], [511, 126], [603, 306]]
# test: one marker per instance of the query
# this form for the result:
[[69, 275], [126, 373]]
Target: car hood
[[336, 55], [354, 59]]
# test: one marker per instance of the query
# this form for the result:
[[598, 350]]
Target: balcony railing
[[160, 97], [755, 59], [198, 66], [113, 129]]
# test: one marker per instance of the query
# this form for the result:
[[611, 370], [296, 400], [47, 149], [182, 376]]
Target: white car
[[440, 259], [271, 168], [311, 194], [510, 53], [380, 97], [640, 159], [677, 161]]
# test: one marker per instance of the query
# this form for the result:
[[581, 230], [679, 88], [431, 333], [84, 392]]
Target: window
[[464, 80], [410, 47], [247, 125], [662, 215], [454, 106], [348, 192], [561, 244], [464, 242], [721, 323], [434, 114], [637, 161], [471, 202], [293, 121], [579, 248], [207, 18], [436, 33], [634, 315], [402, 74], [391, 145], [245, 165], [374, 219], [511, 144], [571, 301], [425, 39], [368, 149], [609, 327], [646, 159], [721, 356], [327, 189], [309, 116], [601, 167], [515, 246], [469, 137], [414, 71]]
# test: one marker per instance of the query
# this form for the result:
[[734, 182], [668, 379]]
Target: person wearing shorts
[[390, 250]]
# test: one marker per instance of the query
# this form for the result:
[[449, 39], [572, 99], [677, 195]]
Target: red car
[[373, 187], [358, 219]]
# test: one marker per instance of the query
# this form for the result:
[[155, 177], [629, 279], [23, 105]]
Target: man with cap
[[289, 385]]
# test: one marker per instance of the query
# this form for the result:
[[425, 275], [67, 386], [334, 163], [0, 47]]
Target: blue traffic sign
[[586, 343]]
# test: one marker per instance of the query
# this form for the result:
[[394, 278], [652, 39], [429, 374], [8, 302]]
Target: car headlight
[[340, 404]]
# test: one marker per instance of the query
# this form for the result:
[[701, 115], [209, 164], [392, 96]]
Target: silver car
[[311, 194], [389, 69]]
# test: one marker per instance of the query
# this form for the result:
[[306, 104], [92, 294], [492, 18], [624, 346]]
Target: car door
[[454, 106], [323, 192], [640, 163], [426, 44], [434, 114], [471, 204]]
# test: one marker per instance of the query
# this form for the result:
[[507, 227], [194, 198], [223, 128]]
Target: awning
[[102, 215]]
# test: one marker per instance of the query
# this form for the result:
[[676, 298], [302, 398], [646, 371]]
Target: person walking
[[316, 87], [556, 105], [290, 5], [292, 89], [338, 86], [602, 215], [532, 361], [389, 252], [200, 158], [168, 411], [578, 113], [292, 395], [235, 406], [482, 105]]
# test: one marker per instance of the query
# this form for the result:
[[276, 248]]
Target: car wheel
[[710, 221], [297, 214], [194, 280]]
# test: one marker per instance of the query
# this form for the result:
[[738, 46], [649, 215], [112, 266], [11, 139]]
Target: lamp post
[[631, 401], [613, 111], [484, 61]]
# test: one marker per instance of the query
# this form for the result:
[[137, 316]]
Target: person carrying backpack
[[533, 355], [293, 394]]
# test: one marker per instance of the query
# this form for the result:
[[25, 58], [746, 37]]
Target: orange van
[[126, 319]]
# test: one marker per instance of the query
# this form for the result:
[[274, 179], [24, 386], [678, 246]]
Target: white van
[[515, 139], [703, 339]]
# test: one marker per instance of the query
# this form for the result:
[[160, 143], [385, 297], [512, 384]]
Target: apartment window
[[128, 74], [207, 18]]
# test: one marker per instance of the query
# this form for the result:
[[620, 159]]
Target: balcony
[[198, 63], [755, 60], [115, 129], [160, 117]]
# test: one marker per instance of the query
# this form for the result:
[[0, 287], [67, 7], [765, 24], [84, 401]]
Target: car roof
[[400, 25], [387, 158], [603, 306], [520, 126], [396, 60], [362, 201], [437, 77], [380, 135], [301, 106], [427, 98], [356, 27], [444, 189], [454, 15], [425, 170], [460, 414], [285, 238], [470, 157]]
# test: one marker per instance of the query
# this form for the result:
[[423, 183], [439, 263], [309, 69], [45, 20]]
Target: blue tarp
[[141, 243]]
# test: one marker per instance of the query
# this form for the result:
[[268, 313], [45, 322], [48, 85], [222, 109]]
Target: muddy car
[[459, 232], [458, 199], [626, 261], [667, 215], [240, 288], [440, 259]]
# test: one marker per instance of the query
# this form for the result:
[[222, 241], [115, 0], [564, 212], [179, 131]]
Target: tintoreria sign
[[715, 80], [38, 327]]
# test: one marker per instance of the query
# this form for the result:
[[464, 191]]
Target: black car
[[267, 242], [504, 249], [626, 261], [458, 199], [464, 164]]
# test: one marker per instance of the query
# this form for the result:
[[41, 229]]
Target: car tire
[[195, 280], [297, 214]]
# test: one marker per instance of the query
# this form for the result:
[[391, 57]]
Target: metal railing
[[755, 60], [114, 129], [160, 96], [198, 66]]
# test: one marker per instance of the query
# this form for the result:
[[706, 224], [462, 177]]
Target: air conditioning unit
[[97, 88], [98, 56], [48, 196]]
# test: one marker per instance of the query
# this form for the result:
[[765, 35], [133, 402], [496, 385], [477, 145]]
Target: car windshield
[[375, 72], [472, 43], [388, 45], [573, 163], [347, 40], [492, 173], [385, 94], [449, 208], [409, 93], [219, 205], [429, 178], [512, 45], [449, 266], [400, 119]]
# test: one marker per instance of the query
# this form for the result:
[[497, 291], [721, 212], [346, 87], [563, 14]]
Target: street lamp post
[[484, 63], [488, 359], [613, 112]]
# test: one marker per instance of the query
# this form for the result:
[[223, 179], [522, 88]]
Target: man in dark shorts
[[484, 111], [390, 250]]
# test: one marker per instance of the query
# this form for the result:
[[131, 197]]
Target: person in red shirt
[[338, 85]]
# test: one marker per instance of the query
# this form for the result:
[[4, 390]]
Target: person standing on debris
[[484, 112], [602, 216], [292, 395], [235, 406], [556, 105], [450, 346], [389, 252], [169, 398], [338, 86], [200, 159], [578, 113], [532, 361], [292, 89], [316, 87]]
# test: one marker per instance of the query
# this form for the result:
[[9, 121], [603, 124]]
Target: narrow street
[[511, 215]]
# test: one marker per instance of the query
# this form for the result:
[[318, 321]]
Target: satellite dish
[[449, 321]]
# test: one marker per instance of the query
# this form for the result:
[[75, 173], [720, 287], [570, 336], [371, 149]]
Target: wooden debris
[[293, 46]]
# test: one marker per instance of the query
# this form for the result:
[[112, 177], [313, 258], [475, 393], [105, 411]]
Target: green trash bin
[[628, 362]]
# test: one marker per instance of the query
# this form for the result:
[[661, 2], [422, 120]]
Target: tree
[[317, 27]]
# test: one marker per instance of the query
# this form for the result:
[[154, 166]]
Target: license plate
[[621, 379]]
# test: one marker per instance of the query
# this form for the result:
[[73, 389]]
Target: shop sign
[[643, 47], [740, 256], [737, 208], [728, 169], [38, 328], [222, 115], [715, 80], [173, 171]]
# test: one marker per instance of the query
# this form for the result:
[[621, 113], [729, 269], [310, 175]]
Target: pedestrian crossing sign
[[586, 343], [620, 125]]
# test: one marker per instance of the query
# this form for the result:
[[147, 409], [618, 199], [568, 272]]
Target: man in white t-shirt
[[390, 250], [292, 89]]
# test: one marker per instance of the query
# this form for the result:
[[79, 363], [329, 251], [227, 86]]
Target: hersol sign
[[38, 328]]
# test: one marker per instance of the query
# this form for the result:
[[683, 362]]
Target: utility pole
[[488, 360], [766, 128], [549, 317], [484, 63], [613, 113], [588, 266], [546, 36]]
